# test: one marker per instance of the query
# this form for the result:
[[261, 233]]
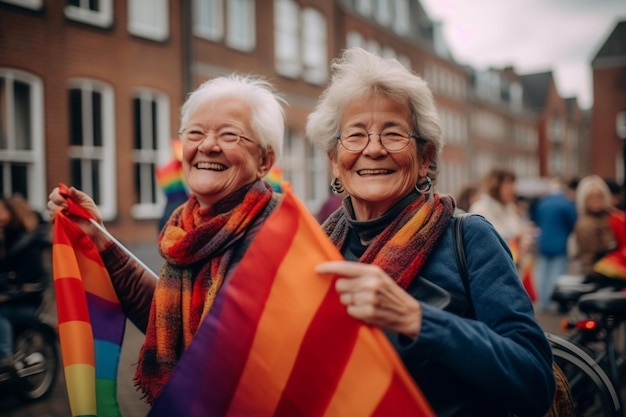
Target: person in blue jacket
[[378, 124], [555, 216]]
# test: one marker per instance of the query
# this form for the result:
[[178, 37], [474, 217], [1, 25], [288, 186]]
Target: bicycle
[[588, 355]]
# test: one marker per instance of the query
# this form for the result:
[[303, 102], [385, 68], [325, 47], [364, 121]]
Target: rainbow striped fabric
[[275, 178], [613, 264], [277, 342], [171, 180], [91, 320]]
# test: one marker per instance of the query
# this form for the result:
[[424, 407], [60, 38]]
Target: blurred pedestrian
[[467, 196], [24, 275], [555, 216]]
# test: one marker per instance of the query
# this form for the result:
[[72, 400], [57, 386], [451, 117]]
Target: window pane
[[76, 177], [94, 5], [97, 118], [75, 3], [137, 123], [95, 181], [286, 37], [208, 18], [153, 123], [241, 24], [19, 179], [137, 178], [76, 118], [3, 114], [23, 121]]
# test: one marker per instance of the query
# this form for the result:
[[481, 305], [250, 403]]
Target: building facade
[[91, 93]]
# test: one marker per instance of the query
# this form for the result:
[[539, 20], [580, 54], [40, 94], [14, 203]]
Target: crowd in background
[[575, 227]]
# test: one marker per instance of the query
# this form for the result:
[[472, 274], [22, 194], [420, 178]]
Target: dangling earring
[[336, 186], [425, 187]]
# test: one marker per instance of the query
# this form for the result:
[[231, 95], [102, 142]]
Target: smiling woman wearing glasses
[[477, 354], [232, 132]]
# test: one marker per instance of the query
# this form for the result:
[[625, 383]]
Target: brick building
[[91, 92]]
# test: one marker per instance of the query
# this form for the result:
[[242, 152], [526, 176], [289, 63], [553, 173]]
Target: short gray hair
[[357, 73], [268, 115]]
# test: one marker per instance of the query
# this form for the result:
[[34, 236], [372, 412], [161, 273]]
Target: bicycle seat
[[605, 302]]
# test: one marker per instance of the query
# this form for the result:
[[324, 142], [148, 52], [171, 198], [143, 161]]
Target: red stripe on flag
[[71, 289], [306, 394]]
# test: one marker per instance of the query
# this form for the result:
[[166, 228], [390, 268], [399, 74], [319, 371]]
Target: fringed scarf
[[402, 248], [197, 244]]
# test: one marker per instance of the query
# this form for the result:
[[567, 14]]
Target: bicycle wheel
[[591, 389]]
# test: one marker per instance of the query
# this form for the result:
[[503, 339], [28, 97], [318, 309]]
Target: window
[[22, 159], [303, 166], [93, 12], [151, 147], [92, 146], [364, 7], [314, 59], [286, 38], [241, 27], [383, 12], [402, 19], [208, 15], [149, 19], [28, 4], [300, 42]]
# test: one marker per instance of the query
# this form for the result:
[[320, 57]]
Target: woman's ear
[[266, 163], [426, 156], [333, 163]]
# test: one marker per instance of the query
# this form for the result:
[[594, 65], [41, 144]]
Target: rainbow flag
[[275, 178], [171, 180], [277, 342], [613, 264], [91, 320]]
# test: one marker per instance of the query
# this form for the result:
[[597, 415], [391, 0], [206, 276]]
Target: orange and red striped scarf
[[402, 248], [197, 244]]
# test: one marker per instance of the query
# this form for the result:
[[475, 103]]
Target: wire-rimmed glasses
[[225, 138], [393, 139]]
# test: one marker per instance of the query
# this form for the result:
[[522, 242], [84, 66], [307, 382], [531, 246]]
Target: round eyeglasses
[[225, 138], [393, 139]]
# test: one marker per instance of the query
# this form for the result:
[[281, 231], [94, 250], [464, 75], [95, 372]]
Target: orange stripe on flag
[[281, 343], [63, 262], [380, 371], [99, 282], [77, 341]]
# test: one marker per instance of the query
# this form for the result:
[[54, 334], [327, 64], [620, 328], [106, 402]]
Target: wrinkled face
[[215, 168], [376, 178]]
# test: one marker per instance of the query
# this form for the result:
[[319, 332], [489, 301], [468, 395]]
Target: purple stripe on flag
[[107, 319]]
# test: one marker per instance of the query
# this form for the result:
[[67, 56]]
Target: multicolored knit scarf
[[197, 244], [402, 248]]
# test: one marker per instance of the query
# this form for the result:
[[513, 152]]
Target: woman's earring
[[426, 186], [336, 186]]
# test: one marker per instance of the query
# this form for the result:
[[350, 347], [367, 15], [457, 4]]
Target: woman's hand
[[374, 297], [57, 202]]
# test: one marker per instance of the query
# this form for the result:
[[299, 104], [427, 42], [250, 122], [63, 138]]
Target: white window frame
[[305, 167], [314, 44], [286, 35], [149, 158], [211, 28], [33, 158], [149, 19], [101, 18], [27, 4], [105, 154], [241, 25]]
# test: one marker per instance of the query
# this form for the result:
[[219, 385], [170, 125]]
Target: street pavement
[[131, 405]]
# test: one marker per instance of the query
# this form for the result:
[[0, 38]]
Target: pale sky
[[530, 35]]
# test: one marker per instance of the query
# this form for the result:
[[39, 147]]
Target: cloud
[[530, 35]]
